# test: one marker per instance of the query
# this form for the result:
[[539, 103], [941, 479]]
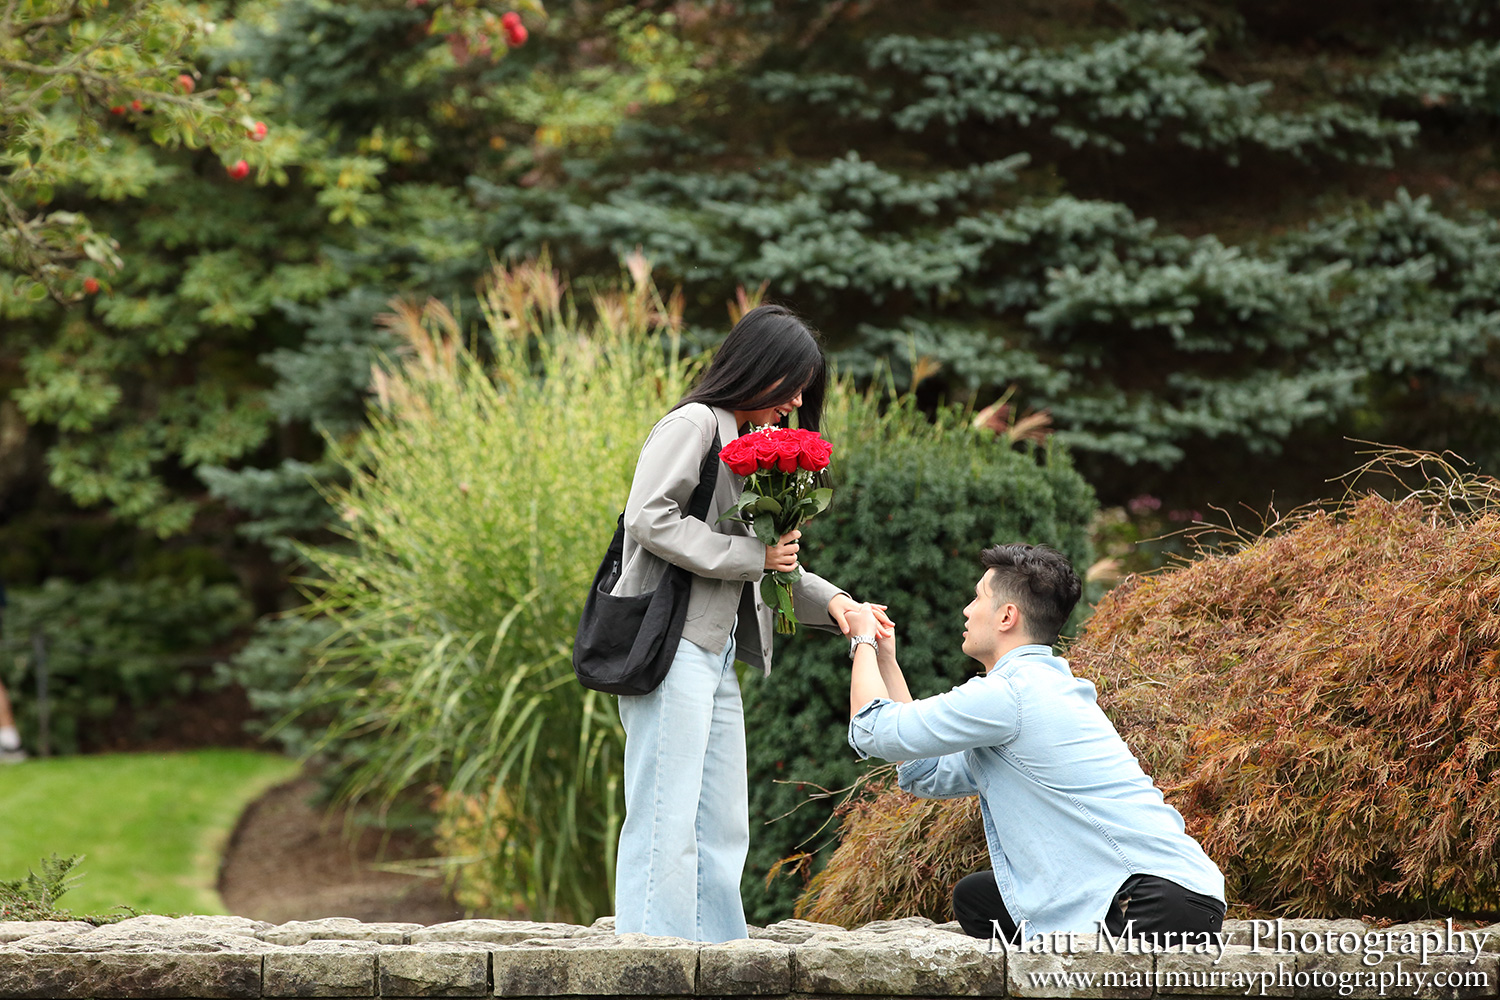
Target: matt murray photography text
[[1269, 937]]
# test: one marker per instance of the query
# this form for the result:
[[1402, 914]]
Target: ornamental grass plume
[[480, 498], [1319, 699]]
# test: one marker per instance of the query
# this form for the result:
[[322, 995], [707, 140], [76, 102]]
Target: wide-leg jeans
[[687, 823]]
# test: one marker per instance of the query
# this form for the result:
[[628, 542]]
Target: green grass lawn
[[152, 826]]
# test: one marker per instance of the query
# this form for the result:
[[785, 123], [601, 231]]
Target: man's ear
[[1008, 617]]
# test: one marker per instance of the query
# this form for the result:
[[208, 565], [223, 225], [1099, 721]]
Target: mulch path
[[291, 859]]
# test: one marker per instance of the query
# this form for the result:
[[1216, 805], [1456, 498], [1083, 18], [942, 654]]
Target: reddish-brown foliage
[[897, 855], [1322, 704]]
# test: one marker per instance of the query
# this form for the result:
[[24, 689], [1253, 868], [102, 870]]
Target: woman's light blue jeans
[[687, 822]]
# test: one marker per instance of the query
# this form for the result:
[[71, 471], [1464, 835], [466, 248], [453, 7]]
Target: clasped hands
[[853, 618]]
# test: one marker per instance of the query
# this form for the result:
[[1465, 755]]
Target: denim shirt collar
[[1011, 662]]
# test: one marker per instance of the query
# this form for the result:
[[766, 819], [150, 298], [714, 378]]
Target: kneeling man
[[1079, 837]]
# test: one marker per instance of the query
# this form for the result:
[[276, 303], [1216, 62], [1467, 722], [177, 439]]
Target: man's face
[[981, 636]]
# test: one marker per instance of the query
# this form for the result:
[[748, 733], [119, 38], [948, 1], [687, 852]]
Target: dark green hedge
[[112, 647], [906, 526]]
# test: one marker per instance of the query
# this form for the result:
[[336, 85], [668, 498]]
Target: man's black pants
[[1156, 905]]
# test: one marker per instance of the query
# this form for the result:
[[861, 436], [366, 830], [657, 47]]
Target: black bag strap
[[708, 478]]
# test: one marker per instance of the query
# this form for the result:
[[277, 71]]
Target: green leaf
[[768, 589], [765, 530], [767, 505], [729, 515]]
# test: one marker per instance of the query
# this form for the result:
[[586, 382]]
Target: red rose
[[766, 452], [739, 456], [815, 452], [788, 450]]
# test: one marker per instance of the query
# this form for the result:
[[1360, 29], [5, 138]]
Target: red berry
[[91, 285], [257, 132], [516, 36], [239, 171], [118, 109], [137, 106], [185, 83], [510, 19]]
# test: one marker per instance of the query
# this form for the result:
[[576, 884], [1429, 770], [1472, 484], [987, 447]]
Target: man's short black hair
[[1038, 580]]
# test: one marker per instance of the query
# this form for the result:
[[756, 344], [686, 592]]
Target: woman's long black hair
[[769, 344]]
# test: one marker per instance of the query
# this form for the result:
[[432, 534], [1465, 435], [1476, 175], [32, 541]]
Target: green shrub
[[271, 668], [113, 646], [913, 505], [35, 896]]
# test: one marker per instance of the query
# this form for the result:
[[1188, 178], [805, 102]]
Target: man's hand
[[842, 606]]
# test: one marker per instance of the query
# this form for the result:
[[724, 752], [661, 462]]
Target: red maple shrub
[[1321, 702]]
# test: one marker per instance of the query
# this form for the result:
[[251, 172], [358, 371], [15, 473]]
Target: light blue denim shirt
[[1068, 812]]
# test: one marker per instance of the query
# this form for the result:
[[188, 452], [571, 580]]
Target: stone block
[[745, 968], [1240, 972], [297, 932], [201, 924], [792, 931], [1346, 977], [140, 974], [493, 931], [1082, 971], [433, 970], [309, 971], [15, 930], [148, 933], [902, 926], [597, 965], [898, 962]]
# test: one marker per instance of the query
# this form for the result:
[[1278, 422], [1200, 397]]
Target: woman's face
[[774, 414]]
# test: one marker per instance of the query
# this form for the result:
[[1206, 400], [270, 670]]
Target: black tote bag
[[625, 645]]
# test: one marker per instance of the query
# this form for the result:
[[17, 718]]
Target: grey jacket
[[723, 557]]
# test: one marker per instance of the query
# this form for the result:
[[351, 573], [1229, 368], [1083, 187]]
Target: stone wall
[[202, 957]]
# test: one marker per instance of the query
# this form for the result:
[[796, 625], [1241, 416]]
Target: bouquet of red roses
[[784, 467]]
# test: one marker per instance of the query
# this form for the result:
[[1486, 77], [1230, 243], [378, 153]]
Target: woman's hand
[[842, 606], [782, 557]]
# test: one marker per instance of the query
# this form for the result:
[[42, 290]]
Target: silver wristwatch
[[856, 640]]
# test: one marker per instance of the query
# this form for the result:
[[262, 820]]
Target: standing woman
[[687, 825]]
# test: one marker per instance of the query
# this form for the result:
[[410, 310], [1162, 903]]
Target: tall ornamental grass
[[482, 497]]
